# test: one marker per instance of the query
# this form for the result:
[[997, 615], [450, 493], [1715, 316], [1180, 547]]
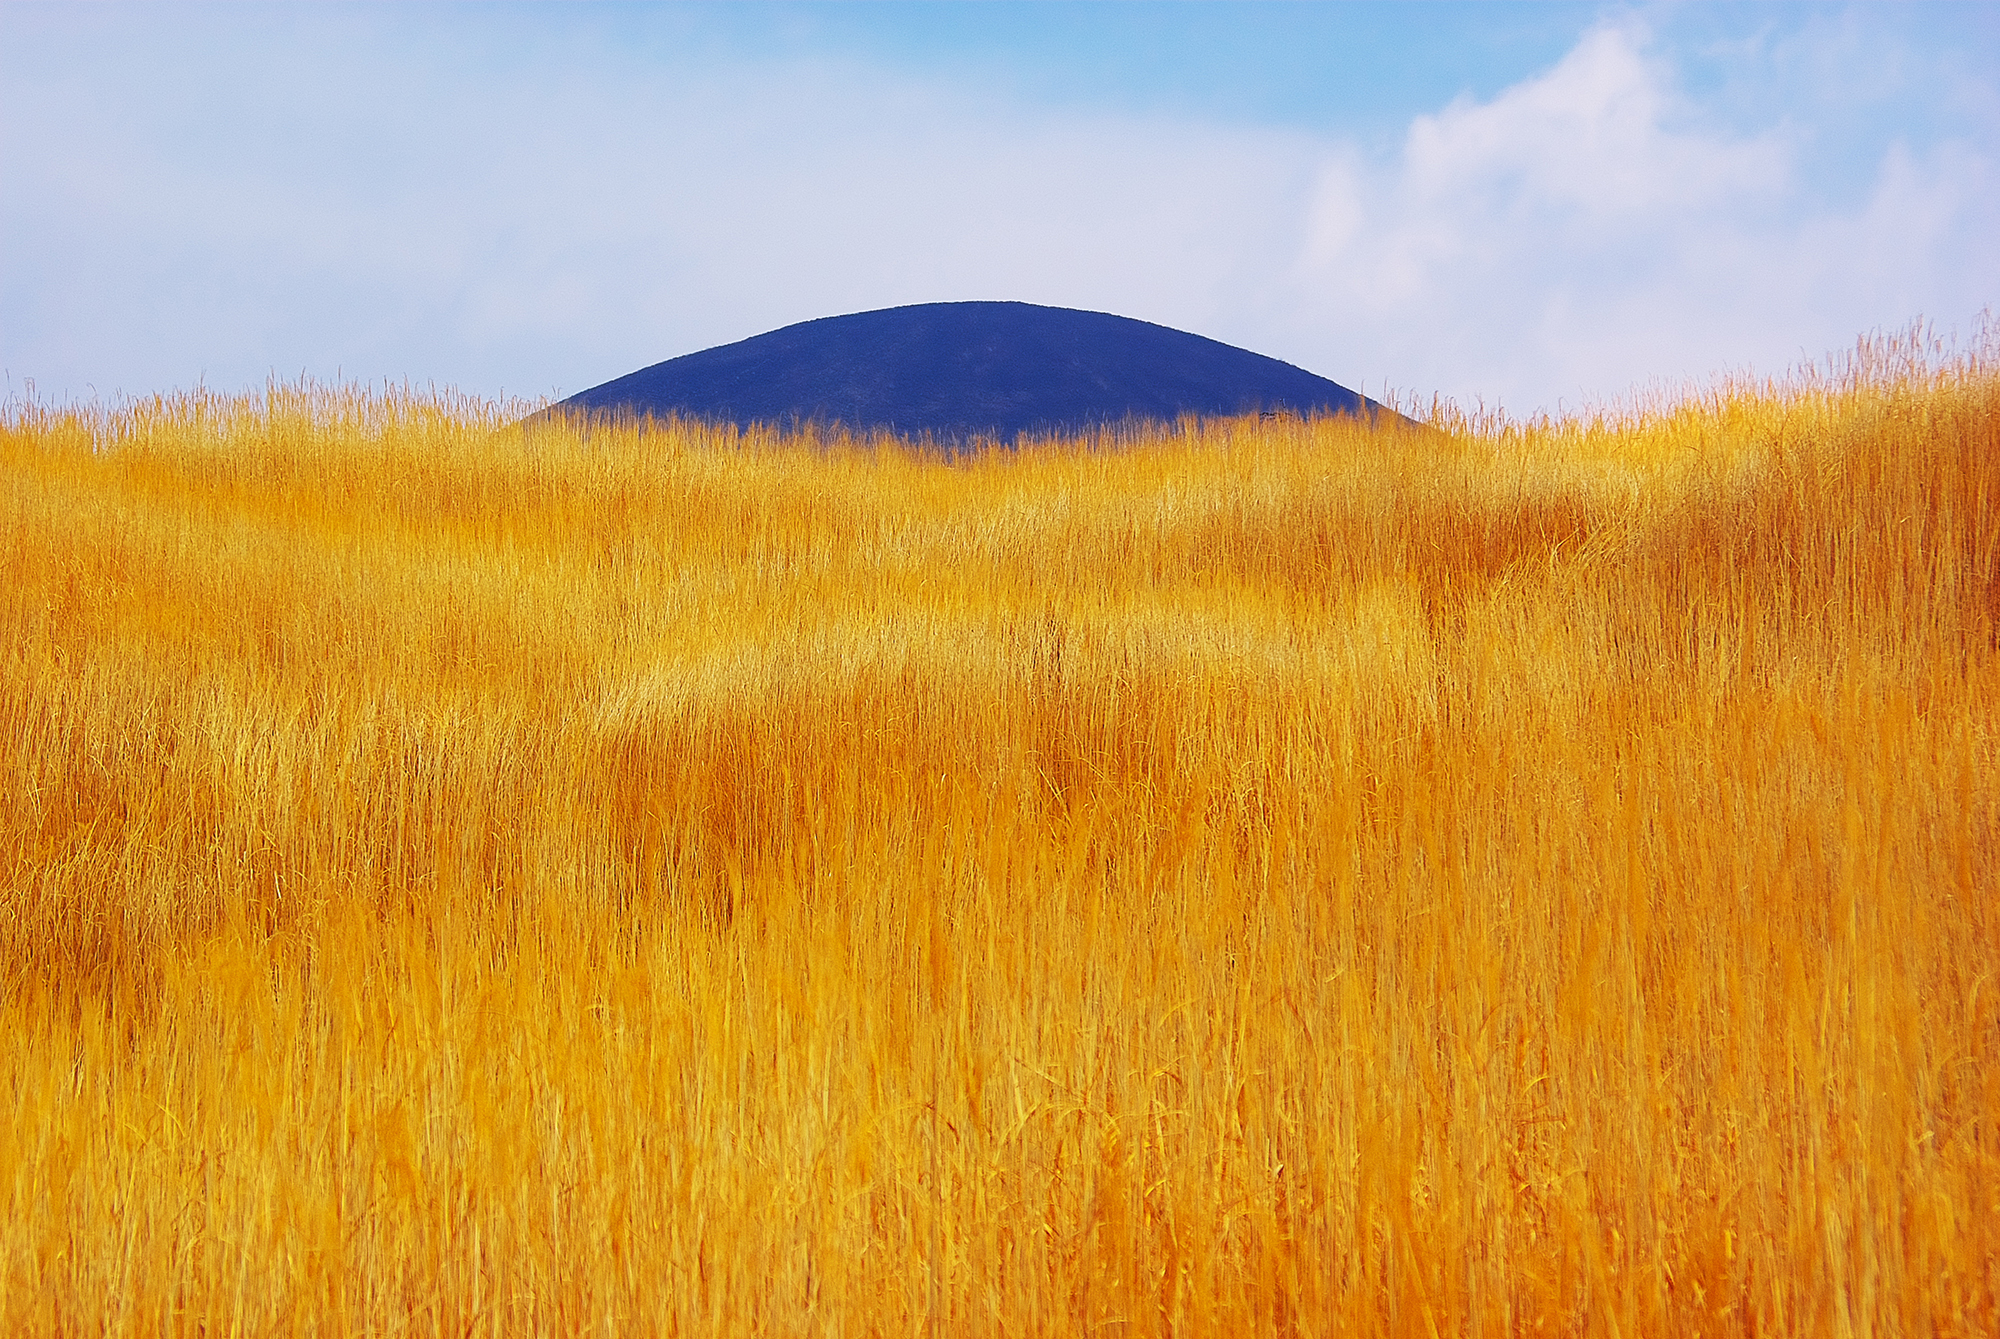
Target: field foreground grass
[[1264, 877]]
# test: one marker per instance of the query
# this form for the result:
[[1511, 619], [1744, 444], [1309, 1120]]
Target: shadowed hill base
[[959, 370]]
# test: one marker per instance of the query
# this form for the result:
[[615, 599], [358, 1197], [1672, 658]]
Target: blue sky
[[1535, 206]]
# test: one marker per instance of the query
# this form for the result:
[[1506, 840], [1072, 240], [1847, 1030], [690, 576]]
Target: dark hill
[[956, 370]]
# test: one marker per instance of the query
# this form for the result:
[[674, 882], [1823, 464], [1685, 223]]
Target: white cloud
[[1595, 135], [1588, 231]]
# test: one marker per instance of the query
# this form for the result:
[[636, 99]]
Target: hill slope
[[964, 369]]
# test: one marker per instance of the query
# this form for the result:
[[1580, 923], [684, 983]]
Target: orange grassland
[[1252, 877]]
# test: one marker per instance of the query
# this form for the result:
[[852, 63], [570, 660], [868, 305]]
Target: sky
[[1532, 208]]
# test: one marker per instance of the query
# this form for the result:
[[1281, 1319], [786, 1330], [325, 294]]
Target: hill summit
[[959, 370]]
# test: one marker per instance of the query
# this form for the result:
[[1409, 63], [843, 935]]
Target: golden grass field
[[1264, 877]]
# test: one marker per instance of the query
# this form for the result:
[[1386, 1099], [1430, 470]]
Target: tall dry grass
[[1269, 877]]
